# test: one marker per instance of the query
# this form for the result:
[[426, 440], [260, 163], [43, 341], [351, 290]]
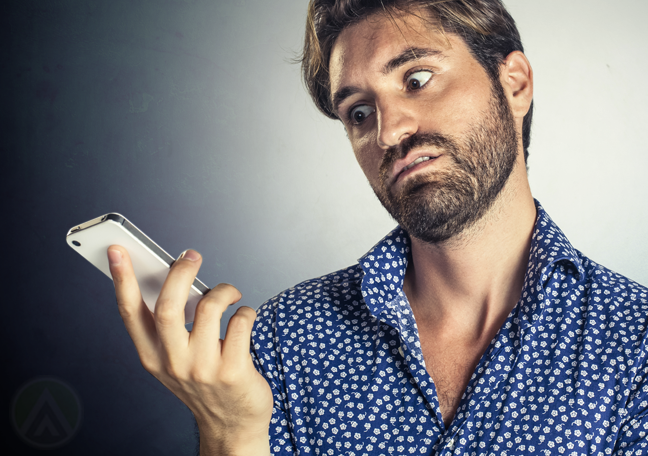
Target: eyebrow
[[408, 55]]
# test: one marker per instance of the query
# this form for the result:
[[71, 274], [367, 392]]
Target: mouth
[[416, 162], [404, 169]]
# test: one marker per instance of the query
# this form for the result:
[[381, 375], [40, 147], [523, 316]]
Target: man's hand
[[216, 379]]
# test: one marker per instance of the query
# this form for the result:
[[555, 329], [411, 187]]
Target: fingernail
[[114, 257], [189, 255]]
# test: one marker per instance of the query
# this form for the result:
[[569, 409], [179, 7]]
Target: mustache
[[412, 142]]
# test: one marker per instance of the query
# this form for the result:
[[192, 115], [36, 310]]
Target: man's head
[[436, 131], [486, 27]]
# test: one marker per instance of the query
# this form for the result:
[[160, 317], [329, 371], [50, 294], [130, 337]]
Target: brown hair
[[487, 28]]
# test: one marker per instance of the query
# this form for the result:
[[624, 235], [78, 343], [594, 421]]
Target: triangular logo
[[45, 424], [46, 413]]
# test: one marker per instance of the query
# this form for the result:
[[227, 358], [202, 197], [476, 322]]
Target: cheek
[[463, 100], [369, 157]]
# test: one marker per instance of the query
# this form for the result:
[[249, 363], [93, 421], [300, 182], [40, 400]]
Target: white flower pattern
[[565, 375]]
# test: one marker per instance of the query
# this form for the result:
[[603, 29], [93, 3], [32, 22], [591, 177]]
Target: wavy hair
[[486, 27]]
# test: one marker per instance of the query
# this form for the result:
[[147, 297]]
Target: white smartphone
[[150, 262]]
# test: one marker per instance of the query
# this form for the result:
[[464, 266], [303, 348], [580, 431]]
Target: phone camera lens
[[77, 243]]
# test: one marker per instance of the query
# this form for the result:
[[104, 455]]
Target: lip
[[398, 168]]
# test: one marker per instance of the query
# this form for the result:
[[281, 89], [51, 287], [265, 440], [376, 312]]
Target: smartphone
[[150, 262]]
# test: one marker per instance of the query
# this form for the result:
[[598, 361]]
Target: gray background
[[188, 118]]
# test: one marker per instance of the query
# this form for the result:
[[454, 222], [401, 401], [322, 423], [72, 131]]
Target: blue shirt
[[566, 374]]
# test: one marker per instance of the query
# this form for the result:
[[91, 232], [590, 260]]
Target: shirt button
[[400, 350]]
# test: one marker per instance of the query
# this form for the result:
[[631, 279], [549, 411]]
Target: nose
[[395, 124]]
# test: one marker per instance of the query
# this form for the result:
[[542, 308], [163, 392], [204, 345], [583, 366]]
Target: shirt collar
[[385, 264], [550, 246], [552, 261], [384, 269]]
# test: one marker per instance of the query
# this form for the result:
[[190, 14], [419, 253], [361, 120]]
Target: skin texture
[[461, 287], [436, 207], [216, 379]]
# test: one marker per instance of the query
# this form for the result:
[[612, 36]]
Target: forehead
[[369, 44]]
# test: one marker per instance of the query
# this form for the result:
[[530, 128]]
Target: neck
[[469, 284]]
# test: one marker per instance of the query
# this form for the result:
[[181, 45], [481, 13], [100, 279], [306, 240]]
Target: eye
[[418, 79], [359, 113]]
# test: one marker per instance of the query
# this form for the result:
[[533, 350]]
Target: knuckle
[[165, 313], [247, 312], [201, 376], [175, 372], [221, 296], [150, 366], [125, 312], [229, 377], [209, 300], [202, 312], [240, 323], [228, 290]]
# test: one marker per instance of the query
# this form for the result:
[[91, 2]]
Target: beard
[[438, 206]]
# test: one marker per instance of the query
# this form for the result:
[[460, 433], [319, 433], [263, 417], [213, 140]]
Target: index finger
[[136, 315]]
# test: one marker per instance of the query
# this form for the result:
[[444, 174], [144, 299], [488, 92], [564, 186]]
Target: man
[[473, 328]]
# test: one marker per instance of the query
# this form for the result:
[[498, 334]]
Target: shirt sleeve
[[632, 438], [264, 354]]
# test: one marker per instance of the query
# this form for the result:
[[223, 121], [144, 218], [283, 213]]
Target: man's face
[[434, 137]]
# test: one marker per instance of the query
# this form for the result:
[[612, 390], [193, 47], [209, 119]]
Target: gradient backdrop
[[189, 118]]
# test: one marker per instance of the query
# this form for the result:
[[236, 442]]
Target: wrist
[[231, 442]]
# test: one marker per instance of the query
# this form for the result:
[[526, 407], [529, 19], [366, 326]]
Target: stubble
[[438, 206]]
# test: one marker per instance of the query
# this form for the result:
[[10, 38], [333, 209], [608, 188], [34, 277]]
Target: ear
[[516, 77]]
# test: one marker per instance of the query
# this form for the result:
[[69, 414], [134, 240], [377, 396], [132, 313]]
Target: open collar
[[385, 264]]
